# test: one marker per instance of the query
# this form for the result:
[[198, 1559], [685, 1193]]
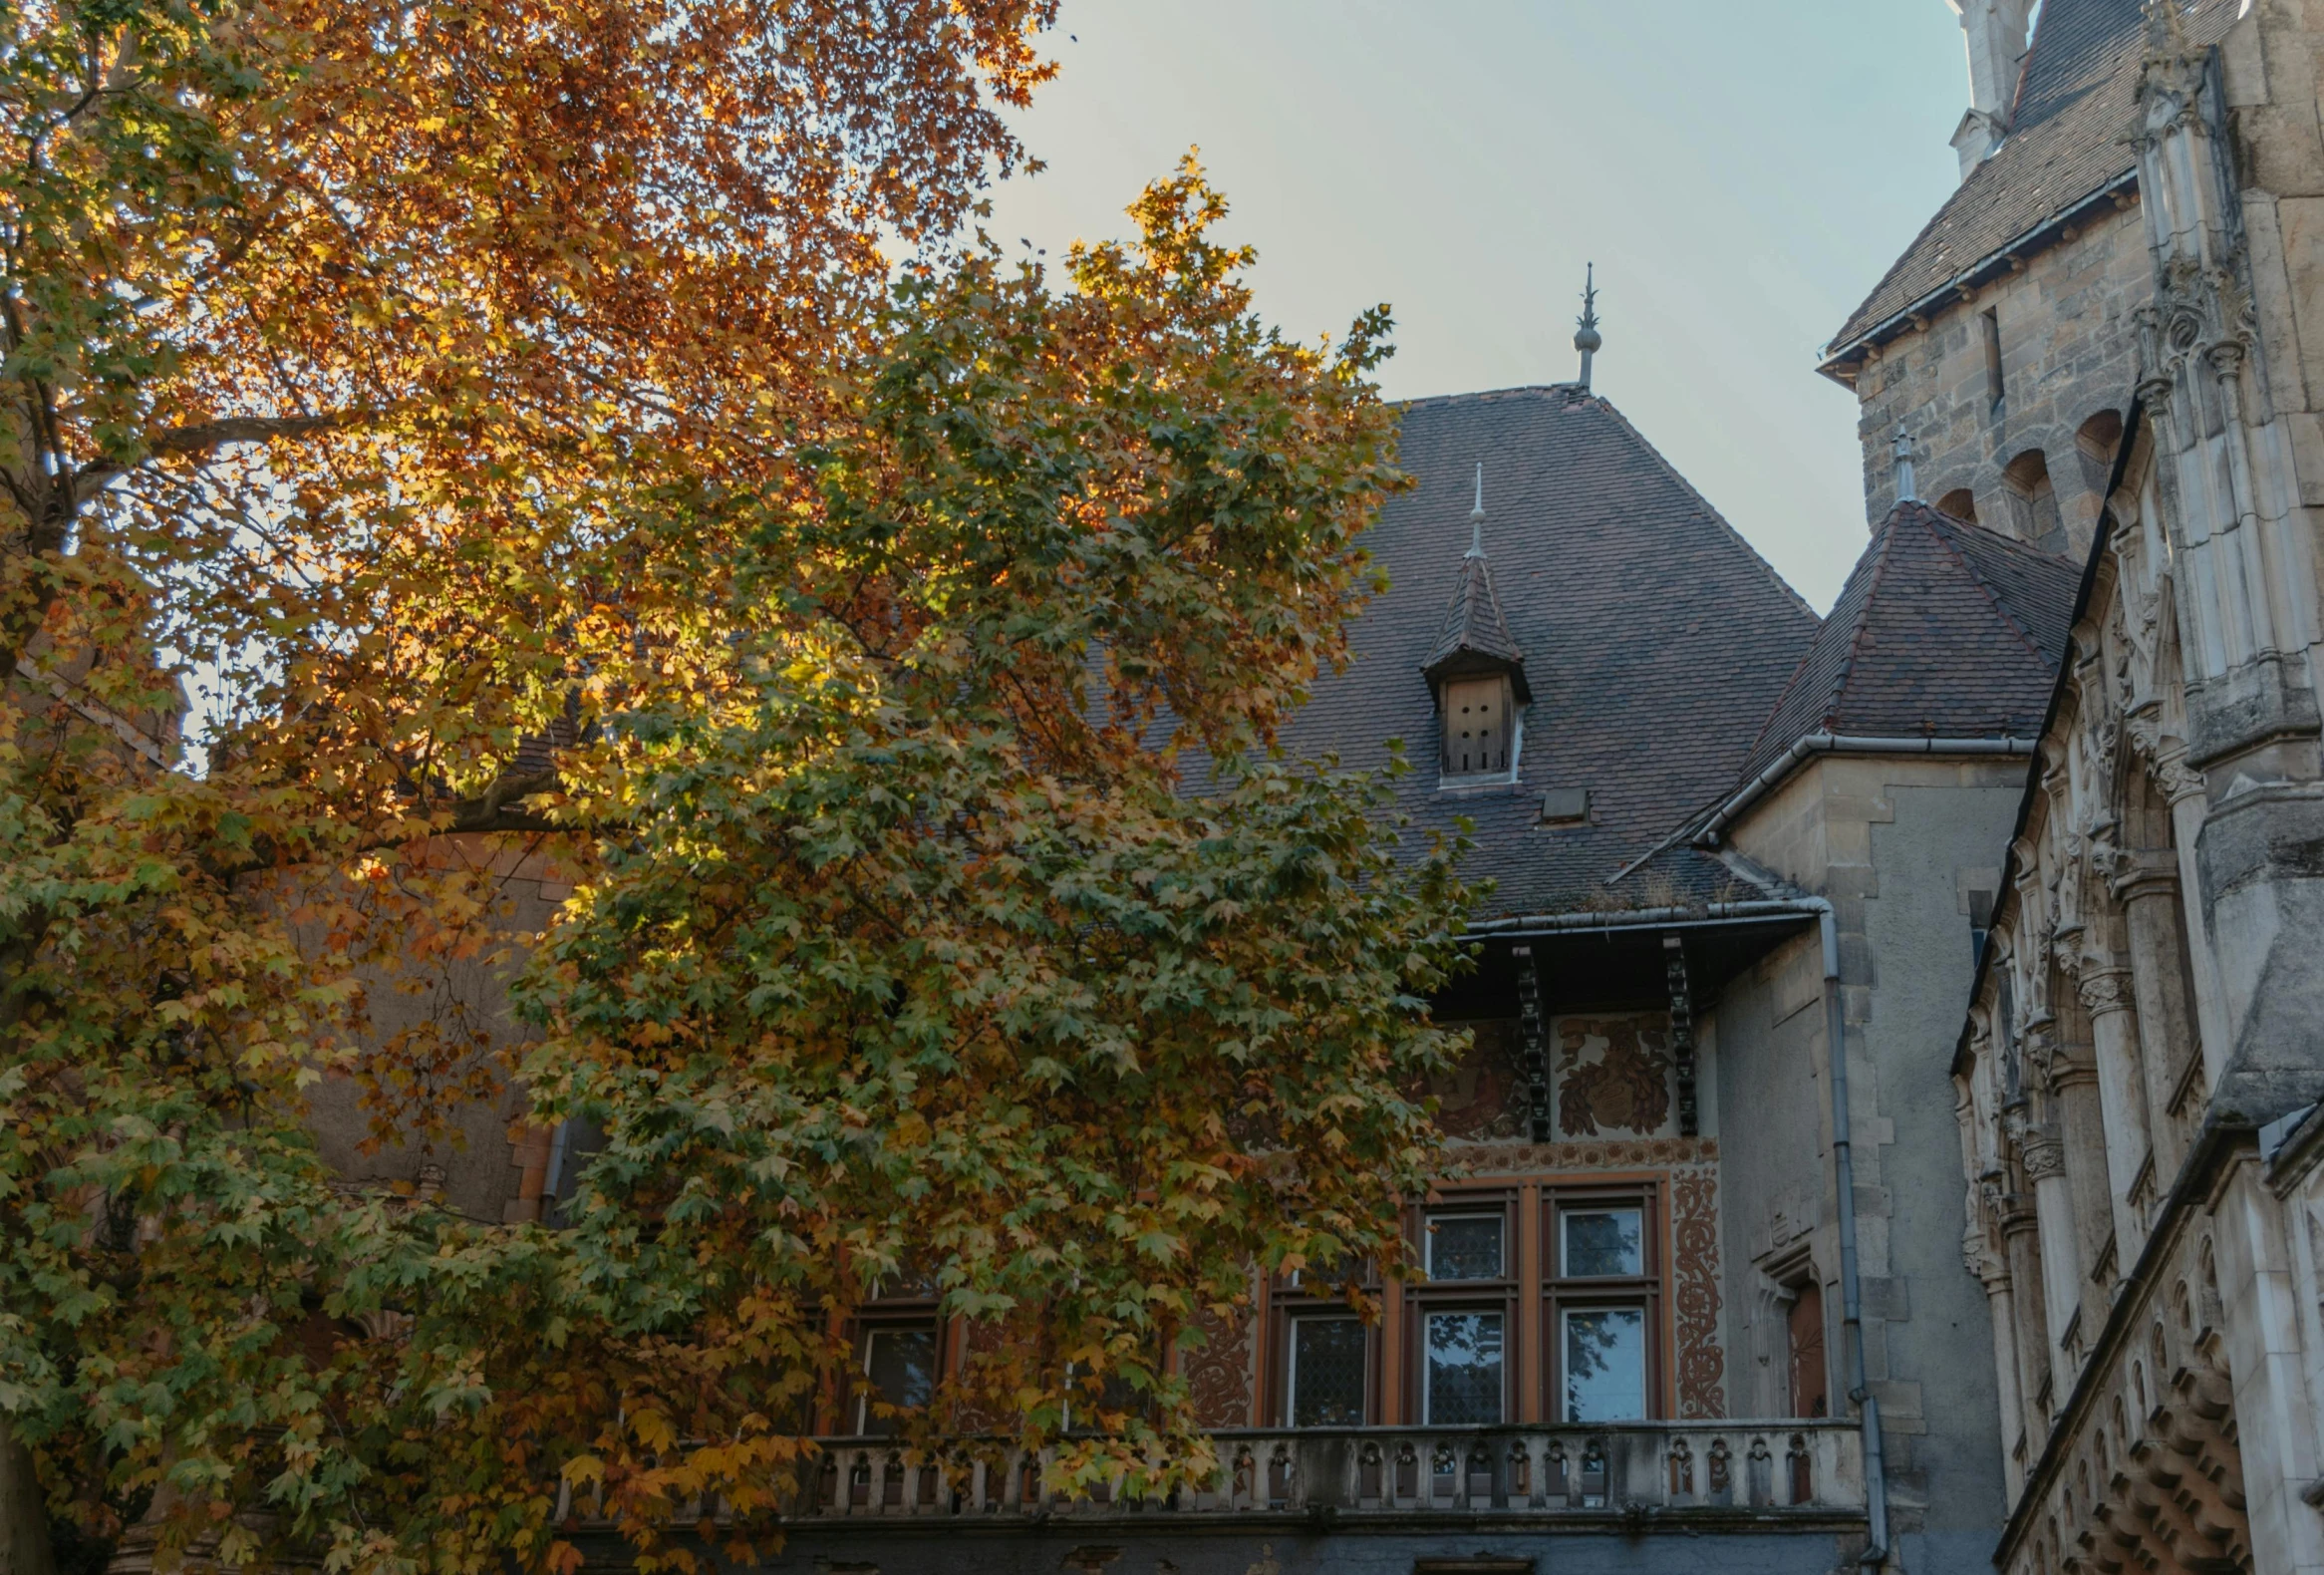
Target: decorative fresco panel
[[1219, 1375], [1484, 1097], [1611, 1074], [1694, 1290]]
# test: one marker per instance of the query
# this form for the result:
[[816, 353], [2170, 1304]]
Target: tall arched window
[[2034, 501]]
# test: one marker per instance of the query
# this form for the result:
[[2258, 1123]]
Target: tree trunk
[[24, 1518]]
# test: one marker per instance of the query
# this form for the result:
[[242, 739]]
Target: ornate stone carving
[[1621, 1153], [2043, 1155], [1694, 1258], [2107, 990], [1982, 1258]]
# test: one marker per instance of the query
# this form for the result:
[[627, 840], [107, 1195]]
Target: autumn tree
[[505, 419]]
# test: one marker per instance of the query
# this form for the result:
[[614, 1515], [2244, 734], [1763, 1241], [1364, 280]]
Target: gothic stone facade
[[2139, 1075]]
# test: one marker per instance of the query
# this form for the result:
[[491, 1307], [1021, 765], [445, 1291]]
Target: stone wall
[[1902, 848], [2068, 351]]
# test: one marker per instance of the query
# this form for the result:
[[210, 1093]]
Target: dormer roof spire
[[1586, 338], [1476, 639]]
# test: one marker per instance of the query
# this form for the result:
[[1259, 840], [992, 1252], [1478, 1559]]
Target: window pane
[[1326, 1372], [1605, 1364], [1603, 1241], [1464, 1369], [1465, 1247], [901, 1364]]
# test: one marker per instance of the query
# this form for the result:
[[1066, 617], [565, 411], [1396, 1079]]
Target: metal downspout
[[1876, 1477]]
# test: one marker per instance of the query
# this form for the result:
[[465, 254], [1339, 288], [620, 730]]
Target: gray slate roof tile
[[1945, 630], [1656, 641]]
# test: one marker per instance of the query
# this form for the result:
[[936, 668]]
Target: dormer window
[[1478, 674], [1479, 721]]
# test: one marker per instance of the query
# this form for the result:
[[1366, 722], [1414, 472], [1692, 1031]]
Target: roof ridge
[[1884, 543], [2002, 538], [1422, 401], [2025, 66], [1807, 657], [1936, 524]]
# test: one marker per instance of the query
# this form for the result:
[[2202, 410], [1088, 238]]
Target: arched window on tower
[[2034, 501], [1961, 503], [2093, 446]]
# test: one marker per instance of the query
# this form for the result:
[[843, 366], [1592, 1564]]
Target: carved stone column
[[1987, 1263], [2061, 1267], [2122, 1096], [2021, 1250], [2079, 1121], [2167, 1039]]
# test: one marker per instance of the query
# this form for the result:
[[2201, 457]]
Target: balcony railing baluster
[[1361, 1474]]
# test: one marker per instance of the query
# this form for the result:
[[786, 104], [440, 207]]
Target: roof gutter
[[1845, 744], [2003, 259], [1769, 911]]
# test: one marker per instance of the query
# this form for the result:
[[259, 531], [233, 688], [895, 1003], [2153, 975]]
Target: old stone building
[[2140, 1067], [1699, 1293]]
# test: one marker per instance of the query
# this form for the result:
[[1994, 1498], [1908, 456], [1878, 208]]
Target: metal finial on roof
[[1477, 518], [1586, 338], [1908, 487]]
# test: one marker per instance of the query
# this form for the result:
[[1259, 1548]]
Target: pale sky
[[1742, 173]]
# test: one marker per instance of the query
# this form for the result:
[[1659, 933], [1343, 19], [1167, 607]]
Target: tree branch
[[207, 436]]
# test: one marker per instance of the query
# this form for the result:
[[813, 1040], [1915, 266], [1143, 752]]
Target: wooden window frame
[[1560, 1294], [1512, 738], [1504, 1295], [878, 1318], [1291, 1299]]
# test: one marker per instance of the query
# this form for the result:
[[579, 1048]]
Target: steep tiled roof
[[1654, 638], [1945, 630], [2067, 141]]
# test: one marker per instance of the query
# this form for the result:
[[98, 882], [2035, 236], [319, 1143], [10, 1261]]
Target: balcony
[[1634, 1474]]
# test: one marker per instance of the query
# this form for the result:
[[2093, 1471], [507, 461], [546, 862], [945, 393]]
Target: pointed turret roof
[[1476, 637], [1945, 630]]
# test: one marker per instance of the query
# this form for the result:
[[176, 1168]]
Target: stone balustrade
[[1682, 1470]]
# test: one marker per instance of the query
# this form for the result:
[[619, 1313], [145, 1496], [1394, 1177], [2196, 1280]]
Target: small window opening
[[1996, 389], [1961, 503], [1980, 924], [901, 1364], [1475, 726], [1326, 1380], [2093, 446]]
